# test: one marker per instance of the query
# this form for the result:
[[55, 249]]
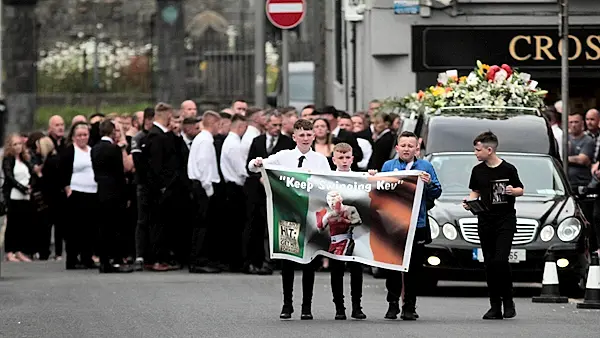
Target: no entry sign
[[285, 14]]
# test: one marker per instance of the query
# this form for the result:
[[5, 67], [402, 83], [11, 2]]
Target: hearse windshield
[[538, 173]]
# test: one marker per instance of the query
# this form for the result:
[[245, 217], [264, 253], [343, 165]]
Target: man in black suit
[[109, 173], [255, 237], [164, 184], [142, 229], [340, 135]]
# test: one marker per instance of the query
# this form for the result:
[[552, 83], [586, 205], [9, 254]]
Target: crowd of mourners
[[119, 191]]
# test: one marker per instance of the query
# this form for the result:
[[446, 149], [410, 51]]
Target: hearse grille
[[526, 230]]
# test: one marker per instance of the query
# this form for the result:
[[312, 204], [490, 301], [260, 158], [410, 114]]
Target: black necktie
[[300, 160]]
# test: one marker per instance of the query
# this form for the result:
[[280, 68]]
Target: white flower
[[525, 77], [452, 73], [472, 79]]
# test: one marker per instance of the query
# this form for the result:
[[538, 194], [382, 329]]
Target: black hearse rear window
[[518, 134]]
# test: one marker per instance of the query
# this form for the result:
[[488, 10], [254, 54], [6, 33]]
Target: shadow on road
[[478, 289]]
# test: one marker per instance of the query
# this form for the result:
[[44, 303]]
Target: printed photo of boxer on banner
[[347, 216]]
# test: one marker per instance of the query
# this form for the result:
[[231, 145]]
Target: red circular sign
[[285, 14]]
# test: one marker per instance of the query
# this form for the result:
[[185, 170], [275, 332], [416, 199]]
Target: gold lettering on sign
[[539, 48], [577, 47], [512, 47], [594, 46]]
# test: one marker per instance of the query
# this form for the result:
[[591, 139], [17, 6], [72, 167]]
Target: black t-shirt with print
[[491, 184]]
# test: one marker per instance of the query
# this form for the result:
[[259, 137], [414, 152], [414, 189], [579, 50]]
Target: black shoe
[[509, 309], [393, 311], [495, 312], [408, 312], [265, 270], [251, 269], [138, 265], [306, 313], [286, 311], [357, 312], [340, 312]]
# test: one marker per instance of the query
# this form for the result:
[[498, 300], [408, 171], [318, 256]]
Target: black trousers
[[112, 217], [142, 229], [19, 227], [236, 199], [82, 227], [308, 281], [58, 218], [217, 232], [200, 250], [255, 236], [163, 207], [496, 235], [337, 269], [396, 280]]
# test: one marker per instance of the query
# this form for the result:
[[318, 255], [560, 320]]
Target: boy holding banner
[[407, 148], [342, 158], [305, 158]]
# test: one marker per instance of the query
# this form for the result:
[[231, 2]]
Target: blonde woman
[[81, 188], [18, 174]]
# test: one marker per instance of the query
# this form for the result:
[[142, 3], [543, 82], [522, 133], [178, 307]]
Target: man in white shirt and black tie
[[204, 173], [305, 158], [233, 167]]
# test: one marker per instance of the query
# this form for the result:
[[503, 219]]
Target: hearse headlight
[[569, 229], [435, 228], [449, 231], [547, 233]]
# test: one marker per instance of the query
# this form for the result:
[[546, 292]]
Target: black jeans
[[595, 227], [337, 281], [142, 229], [496, 235], [395, 280], [308, 281]]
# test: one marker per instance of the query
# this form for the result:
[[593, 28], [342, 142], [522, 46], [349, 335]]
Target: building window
[[339, 42]]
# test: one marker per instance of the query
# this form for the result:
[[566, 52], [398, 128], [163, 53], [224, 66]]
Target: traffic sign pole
[[285, 15], [285, 60]]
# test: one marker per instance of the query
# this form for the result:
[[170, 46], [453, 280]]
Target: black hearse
[[549, 218]]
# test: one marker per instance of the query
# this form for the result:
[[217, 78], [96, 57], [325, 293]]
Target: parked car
[[549, 218]]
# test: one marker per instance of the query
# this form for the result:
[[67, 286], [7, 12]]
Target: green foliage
[[44, 113]]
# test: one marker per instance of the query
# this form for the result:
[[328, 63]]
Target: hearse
[[549, 218]]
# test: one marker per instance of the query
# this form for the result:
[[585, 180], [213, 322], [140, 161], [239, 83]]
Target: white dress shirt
[[233, 165], [367, 150], [187, 140], [270, 139], [289, 158], [202, 163], [163, 128], [251, 133]]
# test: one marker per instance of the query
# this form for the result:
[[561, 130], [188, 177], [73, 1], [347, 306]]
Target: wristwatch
[[122, 146]]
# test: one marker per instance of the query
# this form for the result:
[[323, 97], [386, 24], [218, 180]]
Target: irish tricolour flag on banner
[[344, 216]]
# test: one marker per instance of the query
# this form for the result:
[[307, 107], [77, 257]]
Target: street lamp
[[563, 30]]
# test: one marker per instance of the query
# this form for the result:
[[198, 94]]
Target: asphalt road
[[42, 300]]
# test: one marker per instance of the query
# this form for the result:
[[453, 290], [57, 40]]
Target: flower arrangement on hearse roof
[[497, 86]]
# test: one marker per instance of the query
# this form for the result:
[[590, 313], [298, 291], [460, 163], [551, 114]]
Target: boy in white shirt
[[300, 157]]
